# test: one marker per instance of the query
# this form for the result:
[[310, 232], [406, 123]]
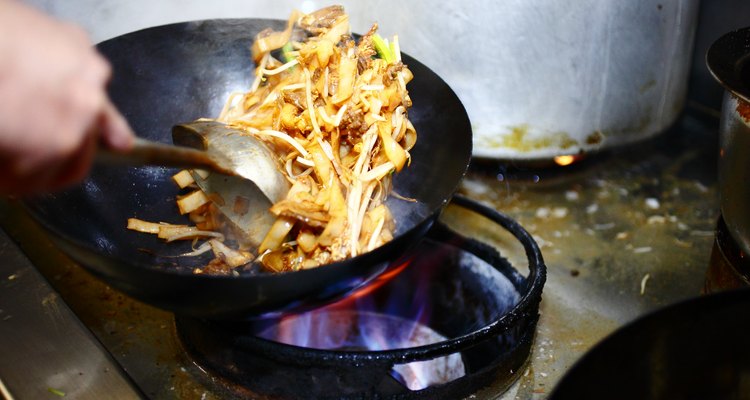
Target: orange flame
[[564, 160], [378, 282]]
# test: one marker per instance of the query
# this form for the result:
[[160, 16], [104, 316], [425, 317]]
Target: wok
[[177, 73], [695, 349]]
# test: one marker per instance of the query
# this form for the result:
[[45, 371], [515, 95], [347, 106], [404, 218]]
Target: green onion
[[56, 392], [285, 52], [382, 48]]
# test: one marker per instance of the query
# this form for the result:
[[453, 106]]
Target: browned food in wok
[[334, 111]]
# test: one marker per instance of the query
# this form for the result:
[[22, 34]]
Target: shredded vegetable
[[335, 111]]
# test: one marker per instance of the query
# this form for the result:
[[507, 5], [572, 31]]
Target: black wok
[[180, 72], [695, 349]]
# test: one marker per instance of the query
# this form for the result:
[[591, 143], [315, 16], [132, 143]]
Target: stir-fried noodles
[[334, 110]]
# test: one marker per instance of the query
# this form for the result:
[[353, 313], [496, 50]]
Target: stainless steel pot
[[541, 78], [728, 60]]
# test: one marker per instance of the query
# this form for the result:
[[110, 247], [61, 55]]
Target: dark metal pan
[[177, 73], [695, 349]]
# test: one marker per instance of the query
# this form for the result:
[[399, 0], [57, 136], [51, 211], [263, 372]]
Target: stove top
[[622, 232]]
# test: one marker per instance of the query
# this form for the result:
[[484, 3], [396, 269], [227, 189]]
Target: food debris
[[643, 283], [652, 203], [56, 392], [571, 195], [542, 243], [604, 227], [592, 208], [656, 219], [12, 277], [475, 187], [621, 236], [546, 212], [542, 212], [49, 300], [644, 249]]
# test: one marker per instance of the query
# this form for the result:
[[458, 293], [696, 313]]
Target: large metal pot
[[728, 60], [539, 78]]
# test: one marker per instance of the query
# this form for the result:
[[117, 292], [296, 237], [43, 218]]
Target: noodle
[[335, 112]]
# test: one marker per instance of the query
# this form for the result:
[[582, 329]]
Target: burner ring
[[216, 344]]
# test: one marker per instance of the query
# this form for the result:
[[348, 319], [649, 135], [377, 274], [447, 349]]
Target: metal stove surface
[[623, 233]]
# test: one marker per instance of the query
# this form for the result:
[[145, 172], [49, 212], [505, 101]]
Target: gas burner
[[452, 316]]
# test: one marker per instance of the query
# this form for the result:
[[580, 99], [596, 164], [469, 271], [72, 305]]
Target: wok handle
[[147, 152]]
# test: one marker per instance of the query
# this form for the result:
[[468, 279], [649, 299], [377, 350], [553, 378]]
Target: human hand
[[53, 102]]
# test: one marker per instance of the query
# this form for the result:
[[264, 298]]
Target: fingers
[[115, 131], [75, 168], [66, 114], [51, 176]]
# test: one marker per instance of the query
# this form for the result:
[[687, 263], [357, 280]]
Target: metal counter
[[46, 351], [623, 233]]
